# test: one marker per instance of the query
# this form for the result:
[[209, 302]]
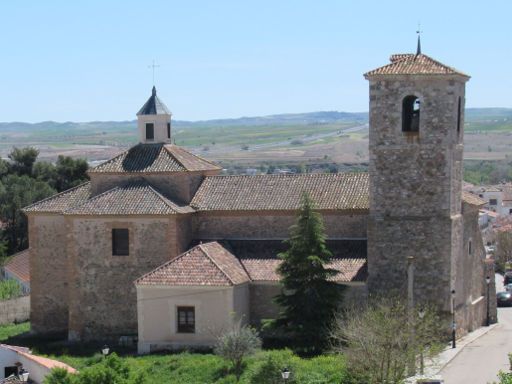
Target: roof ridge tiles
[[205, 251], [178, 148]]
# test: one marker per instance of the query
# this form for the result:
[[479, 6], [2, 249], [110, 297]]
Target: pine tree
[[309, 298]]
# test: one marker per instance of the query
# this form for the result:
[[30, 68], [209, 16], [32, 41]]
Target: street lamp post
[[421, 315], [285, 374], [453, 318], [488, 281], [105, 350], [23, 376]]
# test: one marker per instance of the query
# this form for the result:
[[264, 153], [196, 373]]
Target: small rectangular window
[[150, 131], [120, 242], [493, 201], [186, 320], [168, 130]]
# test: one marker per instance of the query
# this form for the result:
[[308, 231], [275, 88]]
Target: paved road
[[480, 361]]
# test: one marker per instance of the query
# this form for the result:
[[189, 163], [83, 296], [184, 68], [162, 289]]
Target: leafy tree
[[381, 338], [503, 249], [236, 344], [45, 171], [4, 167], [309, 298], [17, 192], [70, 172], [23, 159]]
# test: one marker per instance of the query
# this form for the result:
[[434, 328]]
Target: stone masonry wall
[[48, 274], [415, 175], [102, 293], [470, 272], [262, 306], [272, 225], [415, 187]]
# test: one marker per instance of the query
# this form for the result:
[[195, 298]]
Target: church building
[[160, 246]]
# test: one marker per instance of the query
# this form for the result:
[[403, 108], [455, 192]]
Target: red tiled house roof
[[19, 266], [472, 199]]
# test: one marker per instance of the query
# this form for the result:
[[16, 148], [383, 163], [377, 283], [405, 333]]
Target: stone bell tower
[[154, 121], [416, 145]]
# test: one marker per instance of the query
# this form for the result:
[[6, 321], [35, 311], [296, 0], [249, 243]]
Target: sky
[[89, 60]]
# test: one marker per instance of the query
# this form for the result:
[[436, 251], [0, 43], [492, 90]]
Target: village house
[[159, 245]]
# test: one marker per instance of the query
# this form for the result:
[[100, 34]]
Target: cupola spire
[[418, 48]]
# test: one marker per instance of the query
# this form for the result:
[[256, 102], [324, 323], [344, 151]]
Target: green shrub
[[10, 289], [58, 376], [268, 369]]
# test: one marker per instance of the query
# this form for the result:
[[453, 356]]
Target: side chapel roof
[[211, 264]]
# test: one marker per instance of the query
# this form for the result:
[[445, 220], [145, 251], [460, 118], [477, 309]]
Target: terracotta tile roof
[[349, 270], [412, 64], [136, 198], [62, 201], [205, 264], [150, 158], [212, 264], [472, 199], [341, 191], [19, 265], [259, 257], [42, 361]]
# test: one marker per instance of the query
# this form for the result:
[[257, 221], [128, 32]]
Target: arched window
[[411, 114]]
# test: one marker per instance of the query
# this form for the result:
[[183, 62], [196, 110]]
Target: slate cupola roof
[[154, 106], [414, 64], [155, 158]]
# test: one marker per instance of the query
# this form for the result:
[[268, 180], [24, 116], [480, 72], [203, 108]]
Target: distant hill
[[480, 115], [327, 117]]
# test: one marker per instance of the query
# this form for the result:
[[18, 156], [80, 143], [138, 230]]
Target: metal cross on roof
[[153, 66]]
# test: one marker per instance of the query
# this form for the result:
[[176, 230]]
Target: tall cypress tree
[[309, 298]]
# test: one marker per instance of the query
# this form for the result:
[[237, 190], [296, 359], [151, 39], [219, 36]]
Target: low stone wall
[[15, 310]]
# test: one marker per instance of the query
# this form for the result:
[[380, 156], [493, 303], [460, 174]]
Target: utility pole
[[410, 313]]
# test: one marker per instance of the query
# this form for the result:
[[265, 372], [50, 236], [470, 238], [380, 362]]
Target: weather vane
[[153, 66]]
